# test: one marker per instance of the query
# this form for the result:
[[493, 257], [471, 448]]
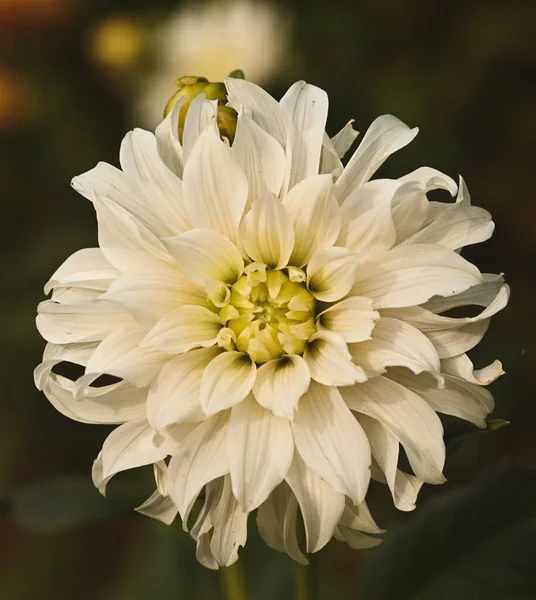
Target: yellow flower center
[[270, 314]]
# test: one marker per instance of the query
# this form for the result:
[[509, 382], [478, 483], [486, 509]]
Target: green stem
[[233, 583], [301, 582]]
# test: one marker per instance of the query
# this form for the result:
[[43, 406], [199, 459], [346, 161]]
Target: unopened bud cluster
[[189, 88]]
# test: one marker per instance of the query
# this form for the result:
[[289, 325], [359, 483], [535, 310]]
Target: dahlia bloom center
[[270, 313]]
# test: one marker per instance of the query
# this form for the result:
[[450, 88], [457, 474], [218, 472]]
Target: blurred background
[[75, 75]]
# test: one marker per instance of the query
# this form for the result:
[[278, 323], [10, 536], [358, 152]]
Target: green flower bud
[[226, 121], [215, 91], [190, 87]]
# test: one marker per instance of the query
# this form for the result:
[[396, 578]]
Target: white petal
[[271, 518], [457, 397], [332, 443], [131, 445], [276, 520], [109, 182], [458, 227], [367, 225], [115, 403], [160, 476], [315, 215], [452, 336], [75, 295], [206, 255], [126, 242], [266, 232], [201, 458], [230, 527], [395, 343], [121, 355], [203, 553], [305, 109], [70, 323], [203, 522], [330, 163], [454, 225], [463, 198], [264, 109], [462, 367], [218, 293], [178, 432], [149, 295], [411, 275], [99, 481], [486, 293], [260, 447], [385, 136], [428, 179], [385, 449], [352, 319], [203, 527], [227, 380], [320, 504], [201, 114], [174, 396], [329, 360], [167, 139], [359, 518], [159, 507], [184, 328], [456, 341], [54, 354], [410, 203], [358, 540], [261, 157], [331, 273], [408, 417], [215, 187], [87, 268], [344, 139], [280, 383], [104, 178], [161, 189]]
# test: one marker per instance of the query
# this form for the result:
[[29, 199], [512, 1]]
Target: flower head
[[275, 321]]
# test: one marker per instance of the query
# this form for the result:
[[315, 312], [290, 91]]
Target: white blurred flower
[[214, 38], [275, 321]]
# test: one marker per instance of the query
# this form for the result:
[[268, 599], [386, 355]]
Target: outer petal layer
[[385, 136], [332, 443], [411, 275], [260, 448], [408, 417]]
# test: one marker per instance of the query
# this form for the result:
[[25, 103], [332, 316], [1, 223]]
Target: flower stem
[[301, 582], [233, 583]]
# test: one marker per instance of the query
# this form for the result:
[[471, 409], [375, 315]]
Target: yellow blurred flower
[[14, 99], [117, 43]]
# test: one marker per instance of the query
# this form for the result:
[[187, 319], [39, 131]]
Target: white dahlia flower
[[274, 320], [215, 37]]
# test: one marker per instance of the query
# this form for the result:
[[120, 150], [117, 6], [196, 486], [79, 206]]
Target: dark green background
[[464, 72]]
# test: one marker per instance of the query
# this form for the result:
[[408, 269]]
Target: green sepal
[[237, 74]]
